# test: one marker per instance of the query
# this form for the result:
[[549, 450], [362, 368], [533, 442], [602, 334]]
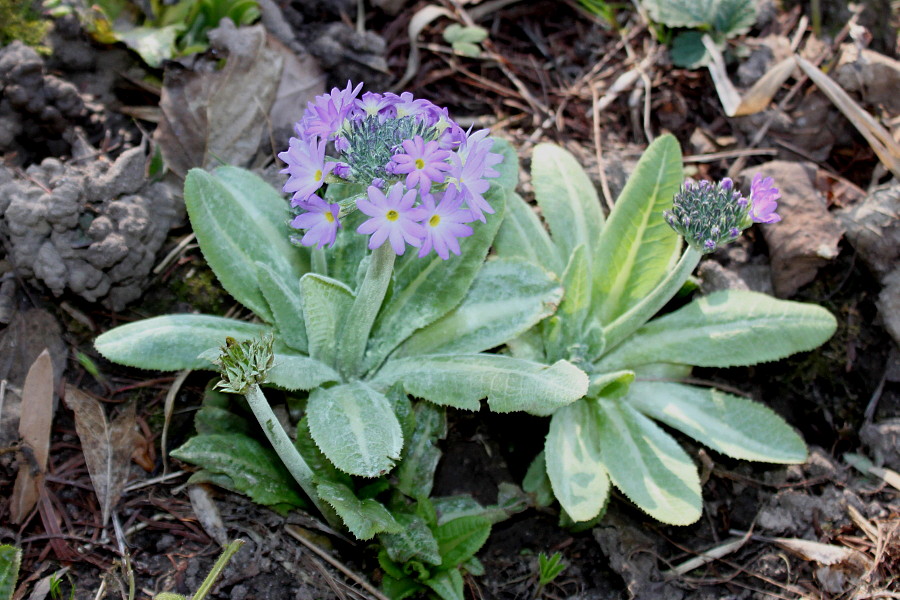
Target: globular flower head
[[763, 200], [408, 150], [244, 363], [708, 215]]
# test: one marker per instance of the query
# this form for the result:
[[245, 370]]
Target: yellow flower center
[[434, 220], [420, 164], [392, 215], [329, 217], [318, 175]]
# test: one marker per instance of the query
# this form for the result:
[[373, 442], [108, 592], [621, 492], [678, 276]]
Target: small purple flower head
[[321, 222], [708, 215], [326, 115], [393, 218], [763, 200], [444, 222], [306, 168], [423, 162]]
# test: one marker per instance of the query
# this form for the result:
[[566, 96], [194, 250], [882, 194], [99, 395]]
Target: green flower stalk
[[243, 367]]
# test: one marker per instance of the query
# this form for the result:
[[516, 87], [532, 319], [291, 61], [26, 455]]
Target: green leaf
[[254, 469], [637, 247], [576, 303], [614, 384], [729, 424], [364, 518], [413, 541], [506, 299], [283, 298], [398, 588], [688, 50], [299, 372], [172, 342], [10, 561], [425, 289], [459, 539], [647, 465], [325, 302], [537, 483], [523, 236], [725, 329], [240, 220], [153, 44], [216, 417], [567, 199], [415, 475], [457, 33], [355, 428], [730, 17], [322, 468], [509, 384], [503, 185], [448, 585], [574, 462], [349, 249]]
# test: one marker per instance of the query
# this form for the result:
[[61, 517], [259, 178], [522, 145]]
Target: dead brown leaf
[[34, 429], [107, 446], [210, 116]]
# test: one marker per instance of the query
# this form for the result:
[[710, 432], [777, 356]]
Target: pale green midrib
[[572, 194], [623, 276]]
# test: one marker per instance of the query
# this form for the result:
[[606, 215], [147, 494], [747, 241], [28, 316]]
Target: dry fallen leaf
[[208, 513], [107, 446], [34, 429]]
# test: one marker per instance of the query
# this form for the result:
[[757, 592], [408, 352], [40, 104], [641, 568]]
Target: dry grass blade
[[715, 553], [419, 21], [35, 419], [208, 513], [107, 446], [879, 138]]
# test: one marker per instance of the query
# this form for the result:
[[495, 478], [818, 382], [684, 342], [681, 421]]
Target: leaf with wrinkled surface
[[415, 474], [107, 446], [355, 428], [364, 518], [414, 541], [173, 342], [574, 463], [647, 464], [506, 299], [35, 420], [283, 298], [729, 424], [10, 560], [458, 540], [637, 248], [509, 384], [725, 329], [325, 302], [299, 372]]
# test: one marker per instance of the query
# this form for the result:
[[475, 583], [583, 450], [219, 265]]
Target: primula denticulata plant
[[385, 294], [617, 274]]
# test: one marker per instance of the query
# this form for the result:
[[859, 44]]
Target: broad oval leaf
[[172, 342], [647, 464], [299, 372], [637, 247], [447, 585], [283, 298], [325, 302], [727, 17], [354, 426], [567, 199], [460, 538], [364, 518], [240, 220], [574, 465], [506, 299], [251, 468], [729, 424], [414, 541], [725, 329], [509, 384], [522, 235], [425, 289]]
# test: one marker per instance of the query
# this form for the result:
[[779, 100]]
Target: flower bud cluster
[[424, 176], [711, 215], [245, 363]]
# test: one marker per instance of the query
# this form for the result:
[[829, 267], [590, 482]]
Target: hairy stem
[[644, 310], [359, 321]]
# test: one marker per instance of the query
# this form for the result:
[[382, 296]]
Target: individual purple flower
[[468, 176], [424, 163], [326, 115], [392, 218], [372, 104], [321, 222], [763, 200], [306, 168], [406, 105], [444, 222]]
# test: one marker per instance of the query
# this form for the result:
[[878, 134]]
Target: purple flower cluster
[[709, 215], [425, 177]]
